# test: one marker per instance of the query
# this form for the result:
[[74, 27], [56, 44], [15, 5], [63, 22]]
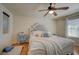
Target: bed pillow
[[37, 33], [46, 34]]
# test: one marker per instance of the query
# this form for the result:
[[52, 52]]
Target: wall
[[22, 23], [5, 39], [60, 26]]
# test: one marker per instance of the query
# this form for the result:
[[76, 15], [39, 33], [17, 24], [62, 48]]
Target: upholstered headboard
[[38, 26]]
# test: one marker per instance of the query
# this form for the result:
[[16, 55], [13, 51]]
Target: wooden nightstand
[[24, 45]]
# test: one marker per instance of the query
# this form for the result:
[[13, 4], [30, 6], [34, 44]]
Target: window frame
[[66, 29]]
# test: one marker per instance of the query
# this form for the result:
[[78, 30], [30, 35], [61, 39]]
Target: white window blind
[[73, 28]]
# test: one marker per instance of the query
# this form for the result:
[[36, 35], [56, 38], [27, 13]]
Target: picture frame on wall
[[5, 23]]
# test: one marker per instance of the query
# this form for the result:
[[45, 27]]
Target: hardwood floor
[[24, 50], [76, 48]]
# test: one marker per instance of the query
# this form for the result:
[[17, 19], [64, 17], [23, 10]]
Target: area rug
[[15, 51]]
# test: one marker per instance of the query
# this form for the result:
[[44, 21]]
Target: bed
[[48, 45]]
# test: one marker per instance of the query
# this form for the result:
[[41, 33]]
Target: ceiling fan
[[52, 9]]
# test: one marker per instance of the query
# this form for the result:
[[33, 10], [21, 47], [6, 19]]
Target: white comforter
[[50, 46]]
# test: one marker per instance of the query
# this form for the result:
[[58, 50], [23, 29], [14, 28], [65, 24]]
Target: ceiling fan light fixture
[[51, 12]]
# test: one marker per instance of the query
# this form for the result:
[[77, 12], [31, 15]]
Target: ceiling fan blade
[[43, 10], [61, 8], [46, 13], [54, 13]]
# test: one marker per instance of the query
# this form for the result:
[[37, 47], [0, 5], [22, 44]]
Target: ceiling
[[31, 9]]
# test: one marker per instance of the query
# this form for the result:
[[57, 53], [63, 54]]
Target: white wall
[[60, 26], [22, 23], [6, 38]]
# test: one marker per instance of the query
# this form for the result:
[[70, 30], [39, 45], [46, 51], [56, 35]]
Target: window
[[73, 28], [5, 22]]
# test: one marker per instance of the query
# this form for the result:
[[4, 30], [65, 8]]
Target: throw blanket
[[44, 46]]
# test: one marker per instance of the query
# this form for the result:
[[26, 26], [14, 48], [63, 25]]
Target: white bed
[[53, 45]]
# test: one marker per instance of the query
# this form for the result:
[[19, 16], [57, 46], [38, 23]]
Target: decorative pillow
[[46, 34], [37, 33], [7, 49]]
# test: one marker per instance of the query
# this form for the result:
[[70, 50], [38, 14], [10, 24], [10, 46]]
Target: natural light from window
[[73, 28]]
